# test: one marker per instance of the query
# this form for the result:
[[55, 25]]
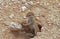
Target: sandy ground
[[46, 11]]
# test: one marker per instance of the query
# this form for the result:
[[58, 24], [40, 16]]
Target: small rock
[[15, 25], [13, 0], [1, 1], [38, 2], [31, 2], [59, 4], [1, 19], [23, 0], [11, 15], [26, 4], [24, 17], [23, 8]]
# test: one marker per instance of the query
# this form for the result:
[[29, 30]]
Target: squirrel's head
[[30, 14]]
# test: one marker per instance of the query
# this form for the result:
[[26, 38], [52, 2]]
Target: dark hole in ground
[[39, 27], [34, 30]]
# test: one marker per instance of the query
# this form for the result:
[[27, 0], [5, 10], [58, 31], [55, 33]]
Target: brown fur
[[32, 23]]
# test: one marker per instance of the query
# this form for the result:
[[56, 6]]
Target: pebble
[[15, 25], [23, 0], [6, 6], [59, 3], [1, 1], [11, 15], [26, 4], [24, 17], [23, 8], [1, 19], [48, 4], [31, 2], [38, 2], [13, 0]]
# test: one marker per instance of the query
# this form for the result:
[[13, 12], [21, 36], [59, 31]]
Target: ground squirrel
[[32, 23]]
